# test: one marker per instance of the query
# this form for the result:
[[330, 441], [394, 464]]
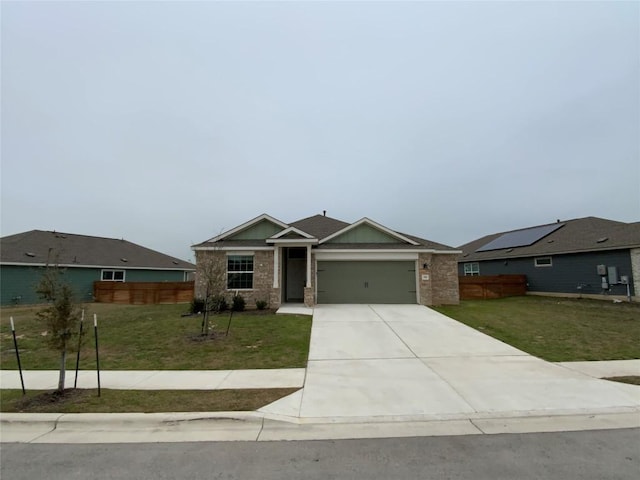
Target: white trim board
[[290, 230], [219, 248], [365, 256], [293, 241]]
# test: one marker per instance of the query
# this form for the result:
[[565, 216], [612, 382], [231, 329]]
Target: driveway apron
[[392, 361]]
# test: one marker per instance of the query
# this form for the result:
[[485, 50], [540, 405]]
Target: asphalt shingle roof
[[576, 235], [319, 226], [38, 247]]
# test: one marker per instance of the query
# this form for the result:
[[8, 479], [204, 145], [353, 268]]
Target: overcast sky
[[167, 123]]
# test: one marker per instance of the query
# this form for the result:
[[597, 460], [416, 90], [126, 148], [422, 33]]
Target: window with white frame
[[471, 269], [543, 262], [239, 272], [113, 275]]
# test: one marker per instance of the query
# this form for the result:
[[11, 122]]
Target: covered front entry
[[294, 273], [367, 282]]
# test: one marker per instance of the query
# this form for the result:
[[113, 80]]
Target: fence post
[[15, 345]]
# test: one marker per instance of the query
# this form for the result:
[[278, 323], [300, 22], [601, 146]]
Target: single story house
[[581, 257], [84, 259], [323, 260]]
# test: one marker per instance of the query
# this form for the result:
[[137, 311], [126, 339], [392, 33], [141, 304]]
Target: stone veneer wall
[[310, 298], [262, 277], [440, 289], [424, 286], [635, 272], [442, 286]]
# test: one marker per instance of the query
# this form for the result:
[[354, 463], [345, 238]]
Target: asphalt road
[[603, 454]]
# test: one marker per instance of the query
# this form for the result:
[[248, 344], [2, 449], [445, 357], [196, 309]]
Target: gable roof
[[38, 247], [365, 221], [572, 236], [245, 226], [292, 232], [322, 228]]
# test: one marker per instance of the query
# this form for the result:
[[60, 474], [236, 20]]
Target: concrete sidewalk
[[607, 368], [373, 371], [158, 379], [232, 379]]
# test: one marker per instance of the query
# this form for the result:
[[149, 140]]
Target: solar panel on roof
[[520, 238]]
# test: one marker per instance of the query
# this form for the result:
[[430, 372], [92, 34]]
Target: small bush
[[261, 304], [218, 304], [197, 305], [238, 303]]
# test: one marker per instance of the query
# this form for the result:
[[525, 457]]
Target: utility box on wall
[[612, 273], [602, 270]]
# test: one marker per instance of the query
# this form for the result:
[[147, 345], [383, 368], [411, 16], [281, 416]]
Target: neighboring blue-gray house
[[84, 259], [582, 257]]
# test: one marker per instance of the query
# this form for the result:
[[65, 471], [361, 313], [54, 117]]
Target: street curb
[[254, 426]]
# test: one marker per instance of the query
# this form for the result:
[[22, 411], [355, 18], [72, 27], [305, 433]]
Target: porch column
[[276, 260], [308, 266]]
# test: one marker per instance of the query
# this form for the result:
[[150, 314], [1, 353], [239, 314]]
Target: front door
[[296, 274]]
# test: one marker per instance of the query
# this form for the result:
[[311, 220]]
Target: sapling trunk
[[61, 378]]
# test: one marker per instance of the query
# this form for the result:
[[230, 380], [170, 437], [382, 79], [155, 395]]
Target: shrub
[[218, 304], [261, 304], [238, 303], [197, 305]]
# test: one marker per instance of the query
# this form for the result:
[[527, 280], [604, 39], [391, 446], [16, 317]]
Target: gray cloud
[[165, 123]]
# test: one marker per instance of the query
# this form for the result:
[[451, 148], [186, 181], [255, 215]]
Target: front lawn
[[141, 401], [156, 337], [556, 329]]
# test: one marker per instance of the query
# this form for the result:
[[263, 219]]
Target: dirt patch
[[44, 399], [201, 337]]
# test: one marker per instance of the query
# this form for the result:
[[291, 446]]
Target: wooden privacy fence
[[492, 286], [142, 293]]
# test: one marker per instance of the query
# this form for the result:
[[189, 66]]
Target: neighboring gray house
[[84, 259], [323, 260], [582, 257]]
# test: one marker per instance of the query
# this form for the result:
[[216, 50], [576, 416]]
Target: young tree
[[211, 281], [61, 315]]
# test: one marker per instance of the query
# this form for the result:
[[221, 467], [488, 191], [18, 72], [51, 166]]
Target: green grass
[[556, 329], [142, 401], [156, 337]]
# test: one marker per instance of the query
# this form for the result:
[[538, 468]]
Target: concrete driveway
[[408, 361]]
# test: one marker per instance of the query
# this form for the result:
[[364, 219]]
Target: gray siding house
[[589, 257], [84, 259], [324, 260]]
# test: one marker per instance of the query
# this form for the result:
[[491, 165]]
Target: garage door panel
[[366, 282]]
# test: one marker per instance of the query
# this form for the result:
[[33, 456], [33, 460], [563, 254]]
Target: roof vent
[[124, 260], [175, 262], [509, 250], [602, 239], [30, 254], [549, 241], [465, 255]]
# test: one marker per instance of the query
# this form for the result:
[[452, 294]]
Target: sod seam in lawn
[[556, 329], [157, 337]]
